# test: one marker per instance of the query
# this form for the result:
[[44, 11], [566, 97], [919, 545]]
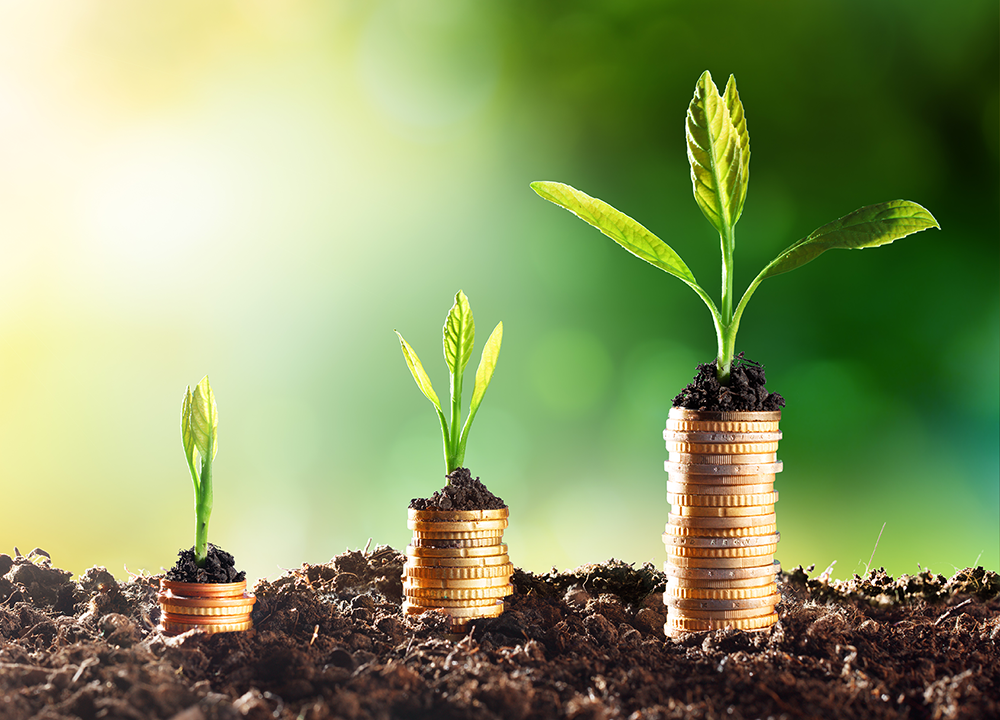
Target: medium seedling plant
[[459, 338], [718, 148], [199, 431]]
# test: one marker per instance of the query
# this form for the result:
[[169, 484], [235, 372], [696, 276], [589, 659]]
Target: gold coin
[[467, 526], [444, 603], [675, 583], [722, 459], [715, 543], [691, 552], [457, 593], [721, 470], [458, 562], [722, 512], [173, 627], [718, 574], [459, 573], [685, 606], [674, 592], [457, 515], [733, 500], [471, 583], [694, 436], [709, 533], [469, 535], [751, 561], [705, 523], [700, 489], [424, 552], [481, 611], [695, 426], [174, 608], [691, 613], [760, 448], [467, 543], [685, 624], [677, 413]]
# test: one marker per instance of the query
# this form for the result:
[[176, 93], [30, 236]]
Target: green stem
[[727, 336], [456, 421], [203, 511]]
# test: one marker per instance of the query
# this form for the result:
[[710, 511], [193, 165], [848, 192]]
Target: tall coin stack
[[721, 534], [457, 562]]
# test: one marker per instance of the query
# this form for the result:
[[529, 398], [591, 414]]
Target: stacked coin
[[209, 607], [458, 563], [721, 535]]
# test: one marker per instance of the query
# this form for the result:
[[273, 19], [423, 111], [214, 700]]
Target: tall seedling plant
[[718, 147], [199, 431], [459, 338]]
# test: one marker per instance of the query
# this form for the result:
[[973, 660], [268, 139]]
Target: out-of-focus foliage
[[263, 190]]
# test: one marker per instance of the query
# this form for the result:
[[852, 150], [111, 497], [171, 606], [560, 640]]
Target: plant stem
[[456, 421], [203, 511], [726, 338]]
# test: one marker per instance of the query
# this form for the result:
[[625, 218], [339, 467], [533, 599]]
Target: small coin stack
[[209, 607], [721, 535], [458, 563]]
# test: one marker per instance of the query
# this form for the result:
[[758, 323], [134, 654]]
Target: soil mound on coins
[[744, 393], [220, 567], [330, 641], [462, 493]]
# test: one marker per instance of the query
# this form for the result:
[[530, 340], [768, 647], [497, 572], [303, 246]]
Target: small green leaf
[[417, 370], [487, 365], [200, 422], [867, 227], [715, 154], [618, 226], [459, 335]]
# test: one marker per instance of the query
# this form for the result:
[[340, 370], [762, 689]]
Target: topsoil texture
[[220, 567], [745, 391], [463, 492], [330, 641]]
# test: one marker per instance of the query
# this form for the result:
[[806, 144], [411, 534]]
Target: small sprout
[[199, 431], [719, 154], [459, 337]]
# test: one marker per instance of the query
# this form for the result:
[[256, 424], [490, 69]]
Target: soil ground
[[330, 642], [745, 392]]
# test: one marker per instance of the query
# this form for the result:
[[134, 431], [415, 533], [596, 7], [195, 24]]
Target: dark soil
[[330, 641], [220, 567], [463, 492], [745, 391]]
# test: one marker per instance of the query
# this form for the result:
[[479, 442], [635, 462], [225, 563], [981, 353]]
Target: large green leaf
[[715, 154], [618, 226], [487, 365], [418, 372], [870, 226], [459, 335], [736, 115]]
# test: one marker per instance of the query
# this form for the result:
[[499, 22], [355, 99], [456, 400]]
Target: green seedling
[[200, 430], [459, 338], [719, 153]]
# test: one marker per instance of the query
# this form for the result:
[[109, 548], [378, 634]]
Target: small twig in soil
[[868, 564], [315, 635], [950, 610], [367, 545], [824, 577]]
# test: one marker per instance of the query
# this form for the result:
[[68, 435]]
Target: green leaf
[[735, 107], [200, 422], [618, 226], [417, 370], [487, 365], [459, 335], [715, 154], [870, 226]]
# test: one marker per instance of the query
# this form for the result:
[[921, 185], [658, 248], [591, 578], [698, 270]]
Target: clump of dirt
[[463, 492], [331, 641], [745, 391], [220, 567]]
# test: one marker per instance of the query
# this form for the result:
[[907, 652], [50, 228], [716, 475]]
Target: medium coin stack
[[458, 563], [721, 534], [209, 607]]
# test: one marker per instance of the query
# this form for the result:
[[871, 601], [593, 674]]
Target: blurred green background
[[263, 190]]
